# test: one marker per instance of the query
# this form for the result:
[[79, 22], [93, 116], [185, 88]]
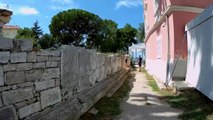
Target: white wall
[[200, 52]]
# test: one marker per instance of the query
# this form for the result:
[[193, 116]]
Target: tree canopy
[[72, 26], [126, 36], [81, 28], [141, 32]]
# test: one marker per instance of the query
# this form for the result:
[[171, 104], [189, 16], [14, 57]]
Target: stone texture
[[18, 57], [50, 97], [9, 67], [8, 113], [25, 84], [69, 69], [1, 76], [20, 104], [30, 109], [51, 73], [53, 58], [51, 64], [44, 85], [14, 77], [3, 88], [4, 57], [24, 66], [31, 57], [42, 58], [39, 65], [6, 44], [33, 75], [26, 45], [14, 87], [68, 110], [49, 53], [14, 96]]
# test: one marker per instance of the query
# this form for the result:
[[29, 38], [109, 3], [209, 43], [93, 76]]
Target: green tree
[[109, 36], [47, 41], [71, 26], [26, 33], [141, 32], [37, 31], [126, 36]]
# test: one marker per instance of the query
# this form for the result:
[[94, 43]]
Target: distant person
[[140, 61]]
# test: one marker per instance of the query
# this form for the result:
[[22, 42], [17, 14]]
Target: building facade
[[166, 45], [10, 31]]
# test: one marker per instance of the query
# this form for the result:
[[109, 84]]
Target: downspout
[[168, 52]]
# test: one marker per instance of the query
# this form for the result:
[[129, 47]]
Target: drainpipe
[[168, 52]]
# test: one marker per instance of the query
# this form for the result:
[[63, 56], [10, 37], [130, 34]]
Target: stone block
[[49, 53], [1, 104], [57, 82], [1, 76], [14, 87], [18, 57], [14, 96], [51, 64], [8, 113], [26, 45], [69, 69], [14, 77], [28, 110], [3, 88], [31, 57], [6, 44], [4, 57], [25, 84], [50, 97], [24, 66], [39, 65], [9, 67], [42, 58], [51, 73], [20, 104], [33, 75], [53, 58], [68, 110], [44, 85]]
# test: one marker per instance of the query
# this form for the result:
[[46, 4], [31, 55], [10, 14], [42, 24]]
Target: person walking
[[140, 61]]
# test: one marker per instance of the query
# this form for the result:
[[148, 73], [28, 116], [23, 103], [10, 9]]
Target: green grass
[[109, 107], [195, 106], [151, 81]]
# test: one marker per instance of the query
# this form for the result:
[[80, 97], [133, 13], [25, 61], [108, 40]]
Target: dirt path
[[144, 104]]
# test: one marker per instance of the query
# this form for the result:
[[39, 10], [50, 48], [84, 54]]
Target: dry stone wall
[[52, 84]]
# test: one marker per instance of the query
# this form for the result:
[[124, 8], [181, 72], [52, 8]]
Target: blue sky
[[26, 12]]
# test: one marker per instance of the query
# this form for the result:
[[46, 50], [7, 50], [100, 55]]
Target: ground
[[145, 104]]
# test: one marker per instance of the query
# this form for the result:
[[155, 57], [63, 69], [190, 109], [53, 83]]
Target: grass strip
[[195, 105], [109, 107]]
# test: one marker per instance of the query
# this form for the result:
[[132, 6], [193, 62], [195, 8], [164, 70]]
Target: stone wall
[[53, 84]]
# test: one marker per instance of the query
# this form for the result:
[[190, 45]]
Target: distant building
[[137, 50], [165, 21], [10, 31]]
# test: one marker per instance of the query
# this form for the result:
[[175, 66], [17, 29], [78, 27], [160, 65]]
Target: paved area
[[144, 104]]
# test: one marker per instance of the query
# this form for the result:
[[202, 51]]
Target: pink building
[[166, 46]]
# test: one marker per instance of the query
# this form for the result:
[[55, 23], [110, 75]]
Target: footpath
[[144, 104]]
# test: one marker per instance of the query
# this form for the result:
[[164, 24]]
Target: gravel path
[[144, 104]]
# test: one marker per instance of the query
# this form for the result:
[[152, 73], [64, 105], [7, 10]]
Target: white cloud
[[25, 10], [63, 4], [128, 3]]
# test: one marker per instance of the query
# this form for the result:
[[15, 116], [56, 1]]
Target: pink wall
[[193, 3], [180, 20]]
